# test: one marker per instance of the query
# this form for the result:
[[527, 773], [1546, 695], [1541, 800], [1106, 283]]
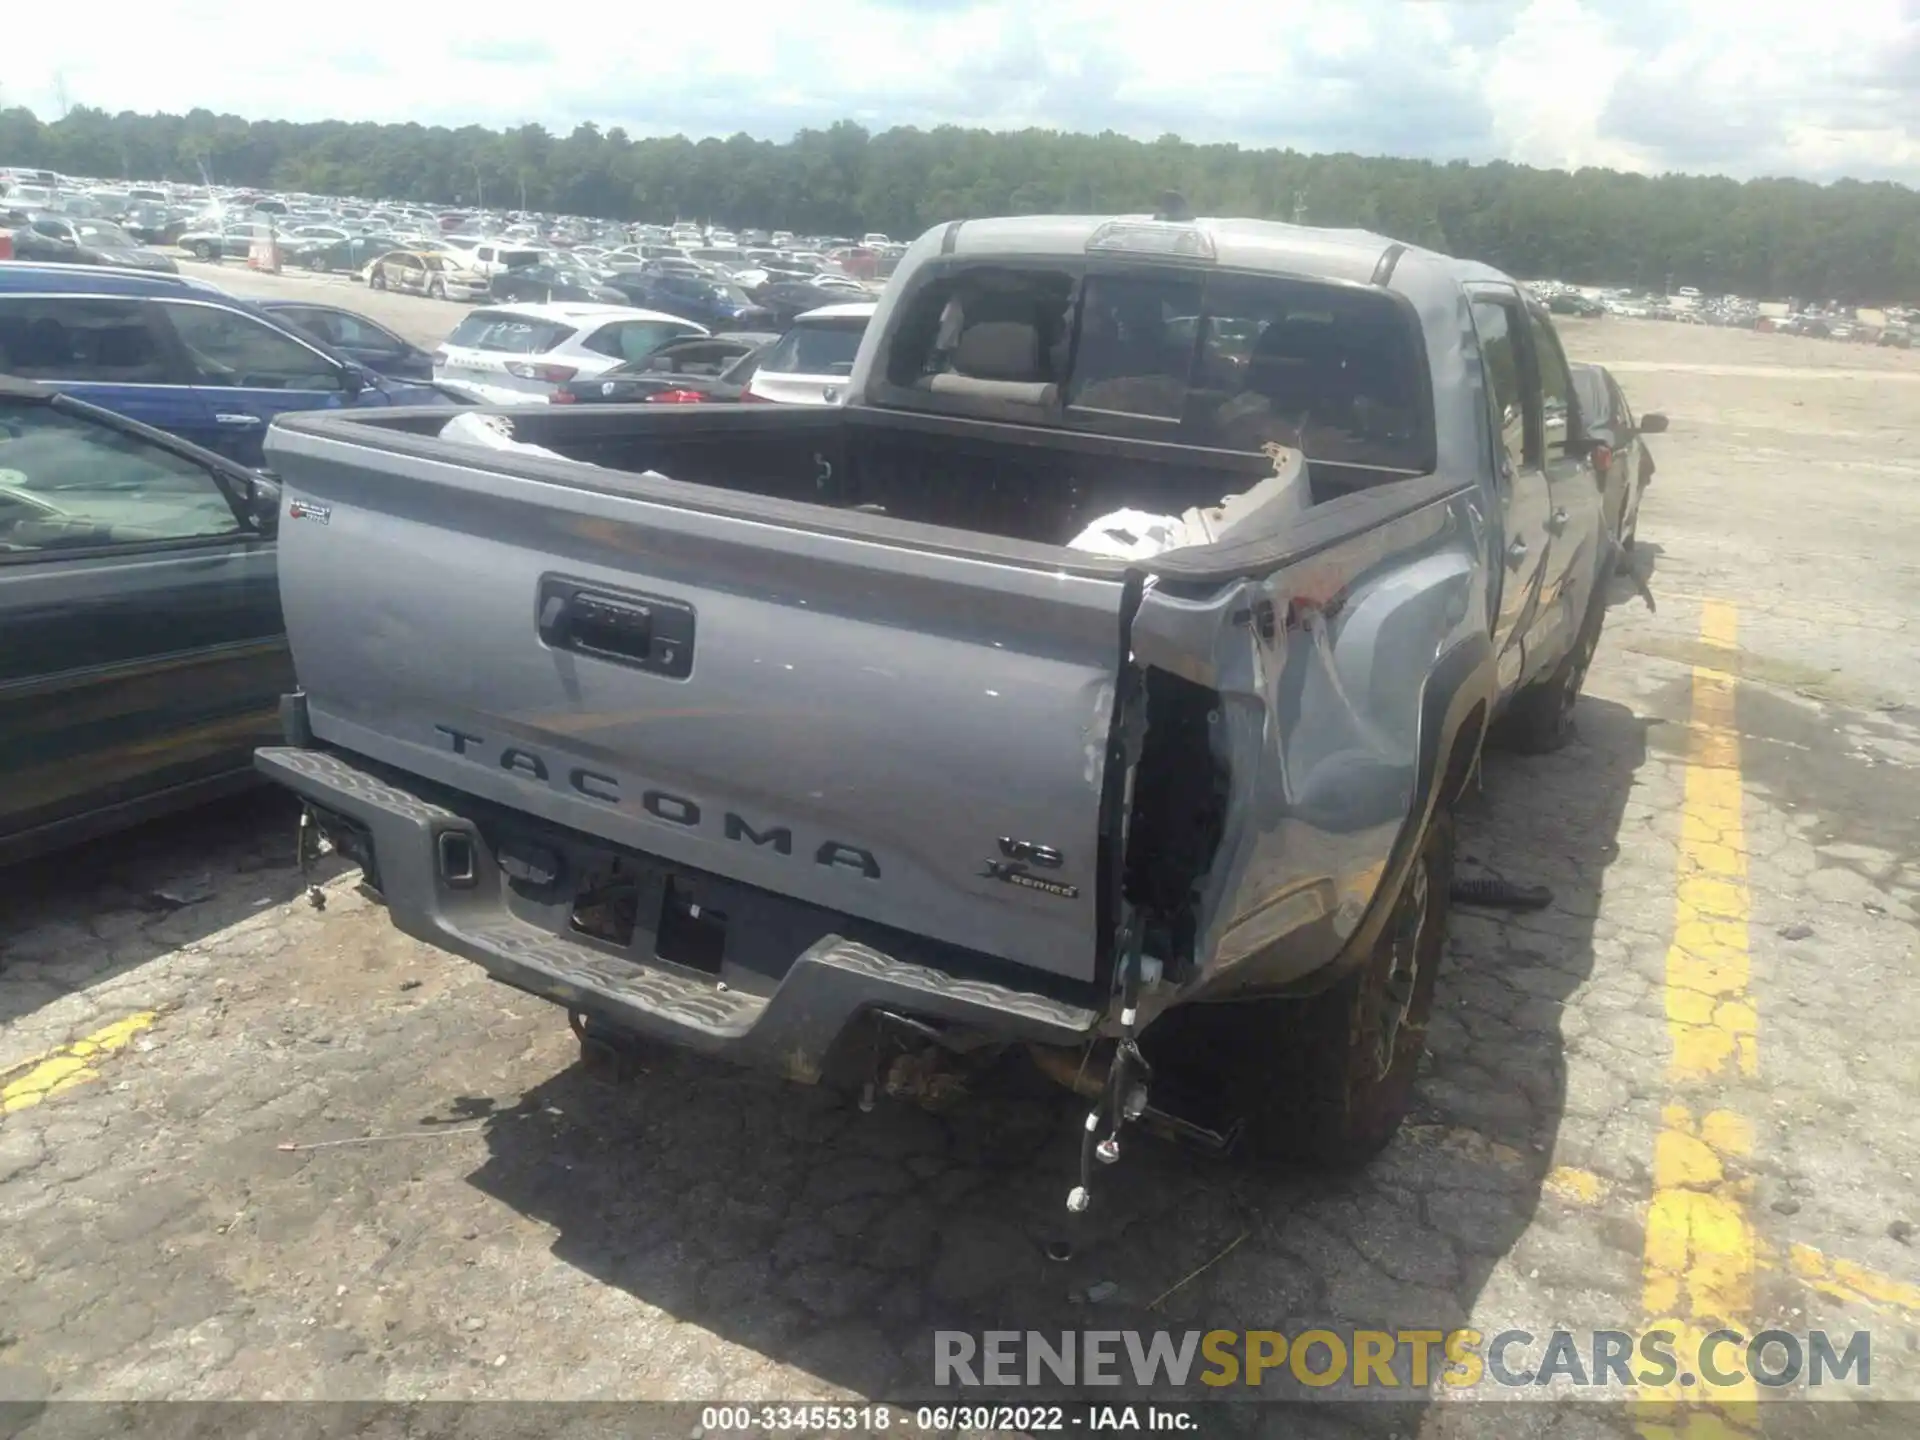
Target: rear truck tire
[[1325, 1080], [437, 290], [1540, 720]]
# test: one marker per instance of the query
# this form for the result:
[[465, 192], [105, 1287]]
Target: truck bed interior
[[1012, 481]]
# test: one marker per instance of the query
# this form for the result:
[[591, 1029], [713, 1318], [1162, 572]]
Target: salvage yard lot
[[253, 1149]]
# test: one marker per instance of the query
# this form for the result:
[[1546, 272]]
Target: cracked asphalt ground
[[296, 1155]]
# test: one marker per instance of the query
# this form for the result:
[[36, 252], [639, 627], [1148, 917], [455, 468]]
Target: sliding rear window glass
[[1224, 360], [1135, 348], [1333, 370], [1026, 314]]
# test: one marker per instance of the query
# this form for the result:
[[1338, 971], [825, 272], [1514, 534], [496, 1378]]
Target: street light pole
[[480, 186]]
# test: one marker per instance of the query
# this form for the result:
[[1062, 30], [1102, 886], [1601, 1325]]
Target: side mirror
[[263, 504], [1653, 424], [352, 381]]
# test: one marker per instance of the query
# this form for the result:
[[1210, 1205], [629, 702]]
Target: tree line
[[1851, 240]]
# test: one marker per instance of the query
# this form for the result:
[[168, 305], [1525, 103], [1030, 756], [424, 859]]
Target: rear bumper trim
[[829, 985]]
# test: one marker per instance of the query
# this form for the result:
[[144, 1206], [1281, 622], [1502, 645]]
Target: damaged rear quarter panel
[[1323, 668]]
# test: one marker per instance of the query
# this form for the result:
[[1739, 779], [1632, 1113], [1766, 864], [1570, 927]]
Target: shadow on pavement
[[834, 1243], [78, 916], [1642, 560]]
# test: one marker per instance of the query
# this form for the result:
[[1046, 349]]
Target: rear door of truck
[[846, 710]]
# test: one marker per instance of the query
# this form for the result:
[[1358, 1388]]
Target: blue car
[[177, 354], [718, 305], [363, 341]]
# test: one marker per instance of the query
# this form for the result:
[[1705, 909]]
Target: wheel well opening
[[1178, 811], [1466, 748]]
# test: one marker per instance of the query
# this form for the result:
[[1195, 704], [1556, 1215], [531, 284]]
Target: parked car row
[[808, 364], [137, 578], [50, 239], [691, 370], [518, 354], [178, 354], [1831, 320], [215, 369]]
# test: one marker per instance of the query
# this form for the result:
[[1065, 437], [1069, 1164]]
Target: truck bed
[[987, 479]]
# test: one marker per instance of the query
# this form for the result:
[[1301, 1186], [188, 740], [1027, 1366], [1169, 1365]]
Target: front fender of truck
[[1348, 693]]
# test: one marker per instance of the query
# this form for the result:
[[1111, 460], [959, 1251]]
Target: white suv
[[492, 257], [520, 354], [809, 365]]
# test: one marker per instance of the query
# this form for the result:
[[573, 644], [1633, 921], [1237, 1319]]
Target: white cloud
[[1723, 85]]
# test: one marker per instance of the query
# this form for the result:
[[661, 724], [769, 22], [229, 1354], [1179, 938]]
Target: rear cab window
[[1226, 360], [507, 334]]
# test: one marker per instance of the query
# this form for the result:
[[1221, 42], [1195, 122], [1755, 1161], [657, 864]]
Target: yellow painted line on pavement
[[1575, 1187], [29, 1083], [1700, 1246], [1710, 1014], [1853, 1284]]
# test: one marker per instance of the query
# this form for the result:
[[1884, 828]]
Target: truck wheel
[[1540, 720], [1328, 1079]]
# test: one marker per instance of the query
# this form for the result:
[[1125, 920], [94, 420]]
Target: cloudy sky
[[1741, 87]]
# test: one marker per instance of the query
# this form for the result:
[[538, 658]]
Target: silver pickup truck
[[1099, 678]]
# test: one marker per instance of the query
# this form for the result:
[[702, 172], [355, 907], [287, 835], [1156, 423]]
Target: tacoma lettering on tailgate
[[662, 805]]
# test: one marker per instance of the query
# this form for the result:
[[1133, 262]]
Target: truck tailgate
[[911, 737]]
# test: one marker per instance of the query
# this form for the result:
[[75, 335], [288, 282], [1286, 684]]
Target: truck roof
[[1352, 255]]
